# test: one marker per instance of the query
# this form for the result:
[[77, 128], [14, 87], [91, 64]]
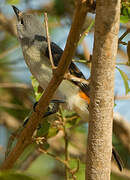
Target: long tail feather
[[117, 159]]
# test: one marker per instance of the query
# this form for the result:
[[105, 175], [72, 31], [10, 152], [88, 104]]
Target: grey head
[[28, 25]]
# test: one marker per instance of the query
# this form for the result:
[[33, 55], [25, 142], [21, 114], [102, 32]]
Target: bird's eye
[[22, 21]]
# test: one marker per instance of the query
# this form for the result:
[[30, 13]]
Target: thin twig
[[66, 164], [75, 170], [123, 43], [14, 85], [66, 151], [68, 170], [54, 156], [48, 41], [71, 77], [125, 97], [66, 144], [75, 153], [85, 33], [121, 63], [123, 35]]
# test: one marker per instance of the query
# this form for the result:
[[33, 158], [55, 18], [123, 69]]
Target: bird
[[30, 33], [34, 45]]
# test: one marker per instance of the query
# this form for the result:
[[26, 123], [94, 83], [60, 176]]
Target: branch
[[15, 85], [99, 147], [125, 97], [48, 41], [62, 119], [73, 38], [71, 77], [123, 35], [64, 162]]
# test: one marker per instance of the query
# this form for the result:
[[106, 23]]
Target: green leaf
[[59, 6], [35, 85], [125, 80], [124, 19], [52, 132], [125, 12], [14, 176], [43, 129], [14, 2]]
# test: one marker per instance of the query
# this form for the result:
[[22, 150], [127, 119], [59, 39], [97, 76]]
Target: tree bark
[[98, 164]]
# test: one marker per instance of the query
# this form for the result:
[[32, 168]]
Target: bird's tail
[[117, 159]]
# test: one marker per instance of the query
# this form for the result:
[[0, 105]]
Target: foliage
[[15, 176], [125, 12], [15, 2]]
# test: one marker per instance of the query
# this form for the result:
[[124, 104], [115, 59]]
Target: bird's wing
[[73, 69]]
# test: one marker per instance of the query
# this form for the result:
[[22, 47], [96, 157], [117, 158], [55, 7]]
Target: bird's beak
[[17, 11]]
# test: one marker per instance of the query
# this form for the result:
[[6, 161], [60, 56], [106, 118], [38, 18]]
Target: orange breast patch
[[84, 96]]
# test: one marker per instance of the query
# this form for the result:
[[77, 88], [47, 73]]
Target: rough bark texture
[[102, 90]]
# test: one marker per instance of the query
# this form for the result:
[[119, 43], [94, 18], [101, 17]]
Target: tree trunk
[[99, 147]]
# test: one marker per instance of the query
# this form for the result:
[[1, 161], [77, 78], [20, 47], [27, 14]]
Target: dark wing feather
[[56, 54], [76, 72]]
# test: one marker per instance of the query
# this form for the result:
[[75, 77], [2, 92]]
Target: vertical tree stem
[[98, 164], [66, 146]]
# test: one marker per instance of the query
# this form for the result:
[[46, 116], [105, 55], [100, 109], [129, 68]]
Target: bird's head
[[28, 25]]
